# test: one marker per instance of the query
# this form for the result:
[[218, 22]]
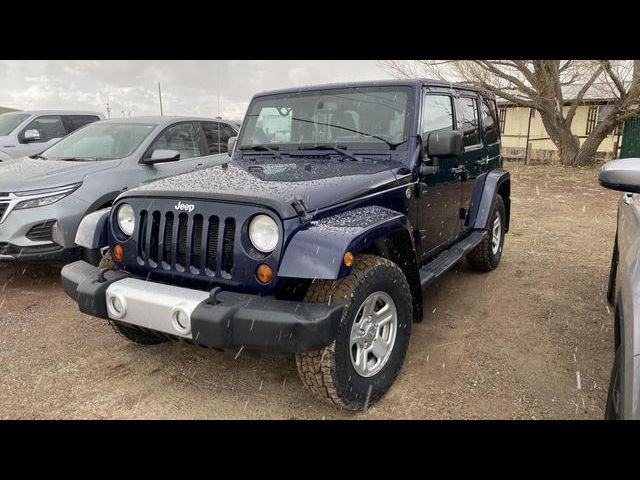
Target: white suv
[[27, 133]]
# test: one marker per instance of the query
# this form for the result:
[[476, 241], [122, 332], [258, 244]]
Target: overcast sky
[[189, 87]]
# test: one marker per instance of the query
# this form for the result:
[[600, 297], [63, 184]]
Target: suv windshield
[[9, 121], [100, 141], [375, 118]]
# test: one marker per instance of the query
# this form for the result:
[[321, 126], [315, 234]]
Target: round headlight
[[126, 219], [263, 233]]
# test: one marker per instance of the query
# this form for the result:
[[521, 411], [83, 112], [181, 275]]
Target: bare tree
[[541, 85]]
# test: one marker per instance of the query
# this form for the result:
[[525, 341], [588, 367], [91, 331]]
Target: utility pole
[[160, 97], [218, 92]]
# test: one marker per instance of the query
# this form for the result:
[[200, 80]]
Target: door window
[[489, 121], [226, 132], [74, 122], [49, 127], [437, 113], [181, 137], [468, 120], [212, 134]]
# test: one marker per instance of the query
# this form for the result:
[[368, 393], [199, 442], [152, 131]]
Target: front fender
[[317, 251], [486, 188], [93, 230]]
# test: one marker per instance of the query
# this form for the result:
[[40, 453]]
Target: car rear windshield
[[355, 118], [9, 121], [100, 141]]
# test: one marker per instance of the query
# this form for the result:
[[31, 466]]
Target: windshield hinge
[[301, 209]]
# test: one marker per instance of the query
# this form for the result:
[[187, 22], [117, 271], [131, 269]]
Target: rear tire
[[359, 367], [137, 335], [613, 271], [612, 410], [487, 254]]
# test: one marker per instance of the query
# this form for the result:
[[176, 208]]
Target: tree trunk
[[560, 133]]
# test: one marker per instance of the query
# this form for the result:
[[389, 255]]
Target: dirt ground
[[531, 340]]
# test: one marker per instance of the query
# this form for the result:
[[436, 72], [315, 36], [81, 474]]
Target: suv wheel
[[137, 335], [612, 411], [362, 363], [486, 256]]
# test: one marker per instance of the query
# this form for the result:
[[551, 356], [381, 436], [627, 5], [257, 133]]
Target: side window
[[437, 113], [49, 127], [74, 122], [489, 121], [181, 137], [226, 132], [468, 120], [212, 134]]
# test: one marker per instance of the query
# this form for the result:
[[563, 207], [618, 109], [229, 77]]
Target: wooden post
[[526, 154]]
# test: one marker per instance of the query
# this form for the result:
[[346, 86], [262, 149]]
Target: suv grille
[[186, 243], [3, 209]]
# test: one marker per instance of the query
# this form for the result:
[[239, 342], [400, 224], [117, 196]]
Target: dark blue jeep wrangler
[[339, 205]]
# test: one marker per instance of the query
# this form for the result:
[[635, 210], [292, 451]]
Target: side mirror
[[162, 156], [231, 143], [622, 175], [444, 144], [32, 135]]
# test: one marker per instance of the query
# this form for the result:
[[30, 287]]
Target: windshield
[[353, 118], [100, 141], [9, 121]]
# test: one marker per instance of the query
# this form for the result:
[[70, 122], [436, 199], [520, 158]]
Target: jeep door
[[440, 192], [185, 138], [475, 150]]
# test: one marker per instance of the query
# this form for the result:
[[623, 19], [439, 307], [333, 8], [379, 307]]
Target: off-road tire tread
[[317, 368], [481, 257], [136, 335]]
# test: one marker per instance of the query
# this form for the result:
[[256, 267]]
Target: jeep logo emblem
[[185, 206]]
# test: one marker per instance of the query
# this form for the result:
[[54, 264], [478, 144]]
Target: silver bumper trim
[[156, 306]]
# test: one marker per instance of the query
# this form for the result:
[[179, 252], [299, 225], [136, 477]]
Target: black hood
[[276, 184]]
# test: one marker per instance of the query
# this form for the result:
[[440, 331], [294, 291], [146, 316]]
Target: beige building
[[519, 124]]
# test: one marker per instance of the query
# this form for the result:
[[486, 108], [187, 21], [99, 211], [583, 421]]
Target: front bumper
[[229, 321]]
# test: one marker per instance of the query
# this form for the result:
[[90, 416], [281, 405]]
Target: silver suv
[[623, 401], [44, 197], [25, 133]]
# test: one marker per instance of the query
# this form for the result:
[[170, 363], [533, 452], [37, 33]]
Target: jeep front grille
[[186, 243]]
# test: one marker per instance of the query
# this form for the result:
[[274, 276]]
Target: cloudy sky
[[189, 87]]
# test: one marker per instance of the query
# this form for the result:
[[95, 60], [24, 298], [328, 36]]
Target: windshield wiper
[[41, 157], [78, 159], [392, 146], [265, 148], [338, 149]]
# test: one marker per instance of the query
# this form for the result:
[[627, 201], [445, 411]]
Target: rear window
[[74, 122]]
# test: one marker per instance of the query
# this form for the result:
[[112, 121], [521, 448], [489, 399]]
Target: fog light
[[118, 252], [116, 306], [264, 273], [181, 320]]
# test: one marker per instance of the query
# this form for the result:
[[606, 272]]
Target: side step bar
[[443, 262]]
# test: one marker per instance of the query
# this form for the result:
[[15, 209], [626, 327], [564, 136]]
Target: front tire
[[487, 254], [137, 335], [359, 367]]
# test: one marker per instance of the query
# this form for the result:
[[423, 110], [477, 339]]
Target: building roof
[[598, 93]]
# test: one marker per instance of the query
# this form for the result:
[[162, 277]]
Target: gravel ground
[[532, 339]]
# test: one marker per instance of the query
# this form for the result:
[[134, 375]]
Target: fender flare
[[487, 186], [317, 251], [93, 231]]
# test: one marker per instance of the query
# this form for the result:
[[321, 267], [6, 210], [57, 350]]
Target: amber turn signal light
[[348, 259], [264, 273], [118, 253]]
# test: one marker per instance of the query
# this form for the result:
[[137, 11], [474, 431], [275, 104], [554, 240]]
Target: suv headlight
[[263, 233], [46, 196], [126, 219]]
